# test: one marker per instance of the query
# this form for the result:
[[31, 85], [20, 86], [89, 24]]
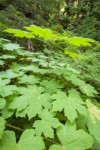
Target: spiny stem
[[19, 129], [49, 56], [14, 127]]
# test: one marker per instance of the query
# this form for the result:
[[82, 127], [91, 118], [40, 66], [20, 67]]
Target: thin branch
[[50, 140], [19, 129], [14, 127]]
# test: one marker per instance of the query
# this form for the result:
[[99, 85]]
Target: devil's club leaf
[[51, 86], [93, 110], [94, 129], [29, 79], [2, 126], [8, 57], [41, 32], [71, 138], [11, 46], [30, 102], [71, 104], [46, 124], [7, 90], [2, 103], [93, 121], [6, 112], [10, 74], [4, 82], [75, 80], [8, 141], [19, 33], [30, 142], [88, 90], [78, 41], [72, 54], [85, 88], [48, 34], [27, 141]]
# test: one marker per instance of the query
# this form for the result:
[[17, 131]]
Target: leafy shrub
[[14, 19], [89, 27], [2, 27], [89, 65], [46, 106]]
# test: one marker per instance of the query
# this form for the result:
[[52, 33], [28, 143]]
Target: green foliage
[[19, 13], [27, 141], [2, 27], [71, 106], [11, 47], [89, 66], [46, 124], [89, 28], [70, 137], [49, 39], [47, 34], [13, 17], [2, 126], [44, 102], [81, 17]]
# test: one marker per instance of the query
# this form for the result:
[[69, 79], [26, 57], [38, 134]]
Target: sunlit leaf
[[2, 127], [71, 138], [11, 46], [28, 141], [71, 104], [46, 124]]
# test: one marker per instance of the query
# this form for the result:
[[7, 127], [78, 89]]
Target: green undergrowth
[[89, 65], [44, 102]]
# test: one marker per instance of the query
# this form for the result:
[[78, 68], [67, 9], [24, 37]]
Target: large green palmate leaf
[[15, 67], [48, 34], [9, 74], [75, 80], [6, 112], [2, 126], [71, 104], [11, 46], [87, 122], [30, 102], [72, 139], [88, 90], [27, 141], [85, 88], [51, 86], [19, 33], [7, 90], [78, 41], [4, 82], [2, 103], [46, 124], [72, 54], [7, 57], [93, 122], [94, 130], [93, 110], [3, 41], [8, 141], [28, 79]]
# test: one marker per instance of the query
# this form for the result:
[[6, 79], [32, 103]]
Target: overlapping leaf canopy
[[52, 99]]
